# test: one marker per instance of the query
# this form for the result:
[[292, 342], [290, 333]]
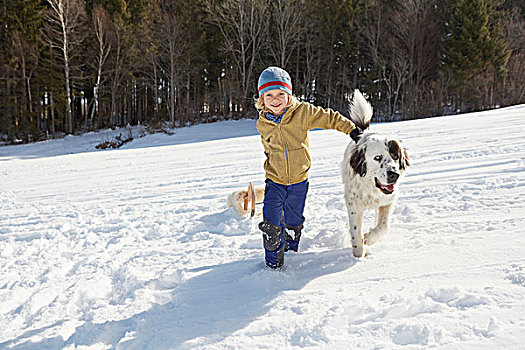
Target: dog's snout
[[392, 176]]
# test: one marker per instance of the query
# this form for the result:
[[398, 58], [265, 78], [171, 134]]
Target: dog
[[372, 170]]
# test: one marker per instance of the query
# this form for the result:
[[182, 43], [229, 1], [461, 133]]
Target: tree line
[[71, 66]]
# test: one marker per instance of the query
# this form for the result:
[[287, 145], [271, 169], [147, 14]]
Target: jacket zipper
[[286, 154]]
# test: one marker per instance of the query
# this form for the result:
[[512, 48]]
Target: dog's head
[[380, 160]]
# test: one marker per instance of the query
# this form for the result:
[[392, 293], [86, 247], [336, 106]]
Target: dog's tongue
[[388, 187]]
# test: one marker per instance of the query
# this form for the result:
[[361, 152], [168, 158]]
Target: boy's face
[[276, 101]]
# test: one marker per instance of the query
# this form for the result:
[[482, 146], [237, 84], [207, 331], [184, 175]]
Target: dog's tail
[[360, 110]]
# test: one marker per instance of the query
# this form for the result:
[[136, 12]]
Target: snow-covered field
[[135, 248]]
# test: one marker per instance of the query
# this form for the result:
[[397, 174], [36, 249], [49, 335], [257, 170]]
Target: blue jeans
[[282, 211], [285, 202]]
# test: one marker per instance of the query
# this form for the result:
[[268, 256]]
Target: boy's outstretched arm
[[327, 118]]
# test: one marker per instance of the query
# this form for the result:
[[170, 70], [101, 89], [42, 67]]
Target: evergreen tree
[[473, 42], [181, 60], [19, 60]]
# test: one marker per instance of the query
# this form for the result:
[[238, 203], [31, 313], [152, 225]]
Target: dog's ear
[[358, 161], [398, 153], [405, 157]]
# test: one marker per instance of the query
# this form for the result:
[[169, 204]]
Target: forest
[[74, 66]]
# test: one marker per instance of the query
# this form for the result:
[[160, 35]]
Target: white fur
[[360, 110], [360, 191]]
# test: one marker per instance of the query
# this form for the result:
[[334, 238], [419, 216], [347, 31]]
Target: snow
[[135, 248]]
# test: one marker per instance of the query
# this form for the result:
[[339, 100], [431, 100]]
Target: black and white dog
[[372, 169]]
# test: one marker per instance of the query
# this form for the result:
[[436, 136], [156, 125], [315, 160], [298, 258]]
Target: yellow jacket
[[287, 146]]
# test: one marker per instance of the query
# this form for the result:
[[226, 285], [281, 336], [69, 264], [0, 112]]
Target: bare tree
[[287, 16], [374, 31], [27, 56], [415, 33], [64, 19], [308, 53], [244, 25], [120, 56], [150, 45], [402, 41], [174, 43], [100, 22], [514, 89], [311, 63]]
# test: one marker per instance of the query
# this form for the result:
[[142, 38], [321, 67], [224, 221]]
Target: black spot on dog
[[396, 153], [358, 162], [394, 150]]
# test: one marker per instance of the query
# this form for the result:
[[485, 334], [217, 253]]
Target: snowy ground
[[135, 248]]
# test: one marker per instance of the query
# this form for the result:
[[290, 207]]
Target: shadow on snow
[[206, 308]]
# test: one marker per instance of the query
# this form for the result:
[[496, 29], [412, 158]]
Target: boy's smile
[[276, 101]]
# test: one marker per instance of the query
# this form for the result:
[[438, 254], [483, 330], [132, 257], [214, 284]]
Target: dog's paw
[[368, 238], [372, 236], [359, 251]]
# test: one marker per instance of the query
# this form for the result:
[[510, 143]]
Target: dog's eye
[[378, 158]]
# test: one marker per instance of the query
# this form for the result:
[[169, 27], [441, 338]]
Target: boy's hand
[[356, 134]]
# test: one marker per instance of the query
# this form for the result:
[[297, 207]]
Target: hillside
[[135, 248]]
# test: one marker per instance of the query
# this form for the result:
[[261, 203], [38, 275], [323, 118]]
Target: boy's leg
[[273, 241], [293, 213]]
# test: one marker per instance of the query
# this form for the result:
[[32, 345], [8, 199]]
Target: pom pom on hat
[[273, 78]]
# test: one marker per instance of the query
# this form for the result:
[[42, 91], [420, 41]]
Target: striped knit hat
[[273, 78]]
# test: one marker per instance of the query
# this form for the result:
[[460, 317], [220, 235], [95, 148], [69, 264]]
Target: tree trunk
[[172, 86]]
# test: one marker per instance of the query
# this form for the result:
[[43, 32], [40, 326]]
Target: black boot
[[292, 235], [274, 244]]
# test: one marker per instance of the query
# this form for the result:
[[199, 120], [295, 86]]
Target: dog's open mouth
[[386, 189]]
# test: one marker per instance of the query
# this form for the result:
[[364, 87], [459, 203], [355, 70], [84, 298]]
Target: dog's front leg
[[355, 220], [382, 224]]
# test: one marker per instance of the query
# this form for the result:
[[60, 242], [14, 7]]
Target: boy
[[284, 123]]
